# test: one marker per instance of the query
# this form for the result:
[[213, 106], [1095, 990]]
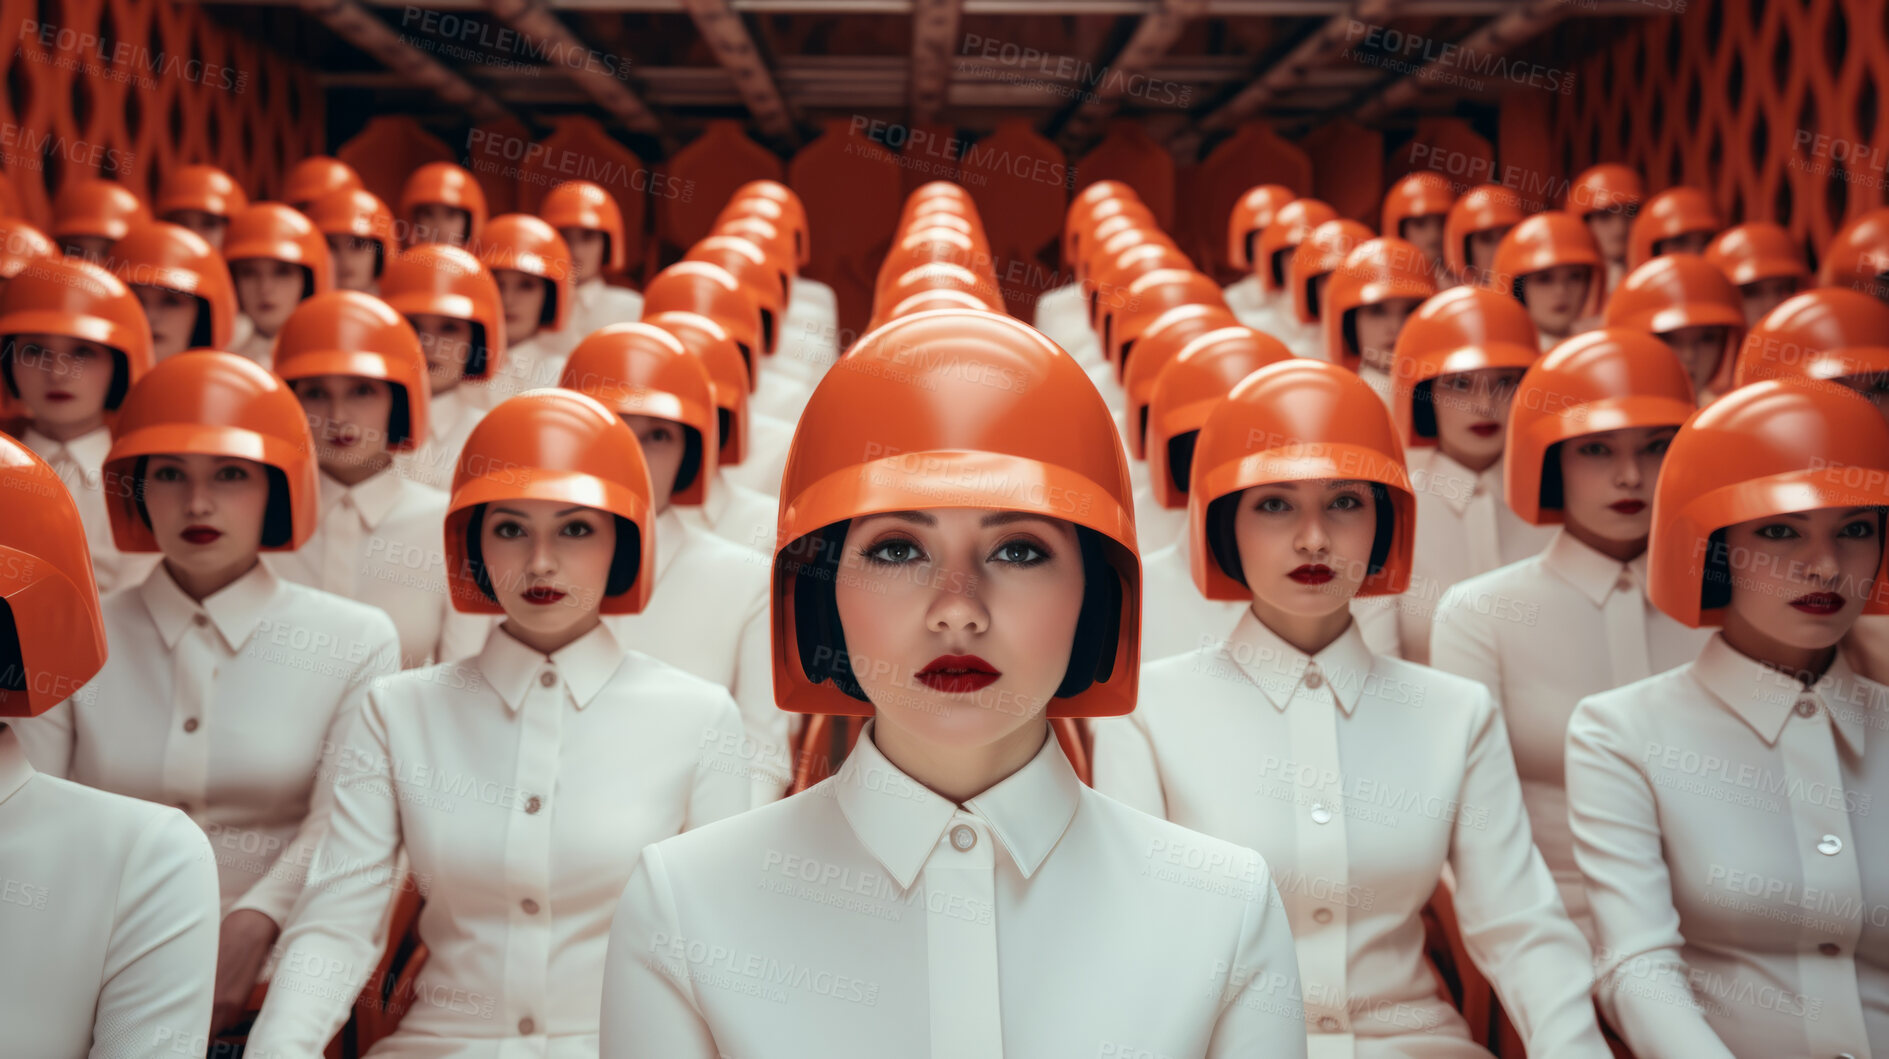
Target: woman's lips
[[542, 597], [1819, 603], [1486, 429], [957, 674], [201, 534], [1312, 574], [1628, 507], [58, 395]]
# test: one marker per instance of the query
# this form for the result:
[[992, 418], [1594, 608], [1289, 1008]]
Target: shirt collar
[[900, 821], [1456, 484], [235, 610], [586, 664], [87, 451], [1764, 697], [1594, 574], [15, 770], [1279, 669], [374, 496]]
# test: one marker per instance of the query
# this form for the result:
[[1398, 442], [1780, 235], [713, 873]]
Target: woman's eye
[[1346, 502], [1658, 448], [231, 474], [891, 552], [1272, 505], [1021, 553], [508, 531], [1595, 448], [1777, 531], [577, 529], [1861, 529], [363, 390], [167, 474]]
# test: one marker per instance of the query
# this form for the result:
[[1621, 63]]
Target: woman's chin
[[958, 721]]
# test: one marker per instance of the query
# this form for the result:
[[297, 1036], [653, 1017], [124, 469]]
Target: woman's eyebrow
[[918, 517]]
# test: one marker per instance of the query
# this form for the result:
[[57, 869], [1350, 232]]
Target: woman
[[227, 688], [183, 285], [1360, 778], [532, 267], [1679, 220], [1366, 302], [277, 260], [954, 890], [1552, 265], [1689, 305], [521, 782], [359, 230], [442, 203], [1605, 197], [1589, 430], [1474, 228], [1765, 263], [588, 219], [201, 198], [1313, 263], [1720, 810], [1415, 210], [454, 306]]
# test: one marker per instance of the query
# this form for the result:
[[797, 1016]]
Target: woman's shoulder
[[647, 676], [1641, 705], [298, 606]]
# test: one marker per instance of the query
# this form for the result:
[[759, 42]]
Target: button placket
[[1313, 720], [961, 942], [528, 854], [186, 771], [1807, 755]]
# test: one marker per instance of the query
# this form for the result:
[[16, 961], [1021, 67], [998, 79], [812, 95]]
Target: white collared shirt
[[868, 917], [80, 464], [1542, 634], [521, 789], [450, 417], [1359, 778], [736, 513], [108, 919], [227, 709], [256, 346], [533, 363], [380, 542], [1464, 528], [1380, 384], [600, 304], [809, 345], [1722, 821], [769, 440], [1062, 314]]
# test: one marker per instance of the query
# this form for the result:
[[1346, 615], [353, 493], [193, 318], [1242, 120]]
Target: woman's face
[[1699, 349], [1377, 326], [1610, 229], [172, 315], [1762, 296], [663, 442], [1684, 243], [210, 226], [1482, 244], [960, 621], [1556, 296], [436, 222], [1802, 580], [1607, 481], [267, 290], [1305, 547], [447, 342], [1472, 413], [522, 295], [354, 258], [206, 511], [348, 415], [93, 248], [587, 249], [63, 382], [548, 562], [1427, 233]]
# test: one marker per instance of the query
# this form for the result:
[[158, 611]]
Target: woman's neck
[[1806, 664], [353, 474], [959, 773], [1307, 633], [550, 643], [64, 432], [1476, 465], [200, 585], [1619, 551]]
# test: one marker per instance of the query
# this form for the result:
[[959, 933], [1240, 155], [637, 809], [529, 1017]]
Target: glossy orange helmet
[[1610, 379], [1106, 289], [1668, 215], [523, 243], [315, 176], [1544, 241], [557, 445], [103, 209], [1253, 213], [1771, 448], [346, 332], [1197, 379], [1166, 336], [1377, 271], [1680, 290], [642, 369], [445, 184], [52, 636], [1108, 220], [203, 188], [1608, 186], [992, 415], [1757, 250], [76, 299], [796, 211], [440, 280], [582, 204], [357, 212], [1828, 333], [1462, 329], [206, 402], [785, 213], [20, 243], [1297, 420], [759, 277], [777, 247], [727, 377], [1420, 194], [1858, 255], [1290, 226], [708, 289], [1320, 254], [1149, 296], [1082, 215], [938, 276], [276, 232], [1479, 210], [170, 256]]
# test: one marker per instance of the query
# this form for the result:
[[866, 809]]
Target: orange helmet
[[445, 184], [701, 287], [922, 248], [796, 211], [1757, 250], [357, 212], [1296, 420], [641, 369], [77, 299], [1423, 194], [1320, 254], [1252, 214], [1107, 219], [1198, 378], [1828, 333], [1107, 286], [557, 445], [936, 189], [346, 332], [931, 220], [1679, 290], [582, 204], [1377, 271], [1461, 329], [48, 597], [939, 298], [887, 432], [20, 243], [1480, 209], [102, 209], [785, 214], [218, 404], [1604, 187], [442, 280], [727, 377], [1771, 448], [274, 231], [1289, 228], [523, 243], [935, 277], [1163, 340], [1669, 214], [203, 188], [1081, 215], [315, 176], [1858, 255], [1544, 241], [1150, 295], [776, 248], [160, 254], [1609, 379], [749, 265]]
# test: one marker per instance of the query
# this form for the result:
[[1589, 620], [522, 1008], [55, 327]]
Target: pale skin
[[663, 443], [436, 222], [1481, 248], [1684, 243], [1377, 326], [268, 290], [1612, 467], [1004, 586], [1775, 561], [548, 562], [1426, 232], [447, 342], [220, 502], [588, 248], [1762, 296], [348, 415], [1699, 350], [1610, 229], [1472, 414], [172, 315], [93, 248], [523, 296], [1556, 296], [63, 382], [354, 257], [1282, 527], [210, 226]]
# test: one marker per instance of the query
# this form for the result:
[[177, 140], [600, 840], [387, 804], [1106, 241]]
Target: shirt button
[[547, 678], [963, 837], [1328, 1024], [1320, 814], [526, 1027], [190, 725], [1806, 707], [1830, 948], [530, 906], [1313, 678], [1830, 846], [200, 619], [1322, 915], [534, 804]]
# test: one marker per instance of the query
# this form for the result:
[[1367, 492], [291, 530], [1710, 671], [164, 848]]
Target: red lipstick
[[1312, 574], [957, 674], [542, 597], [1628, 507], [1819, 603], [1486, 429], [200, 534], [58, 395]]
